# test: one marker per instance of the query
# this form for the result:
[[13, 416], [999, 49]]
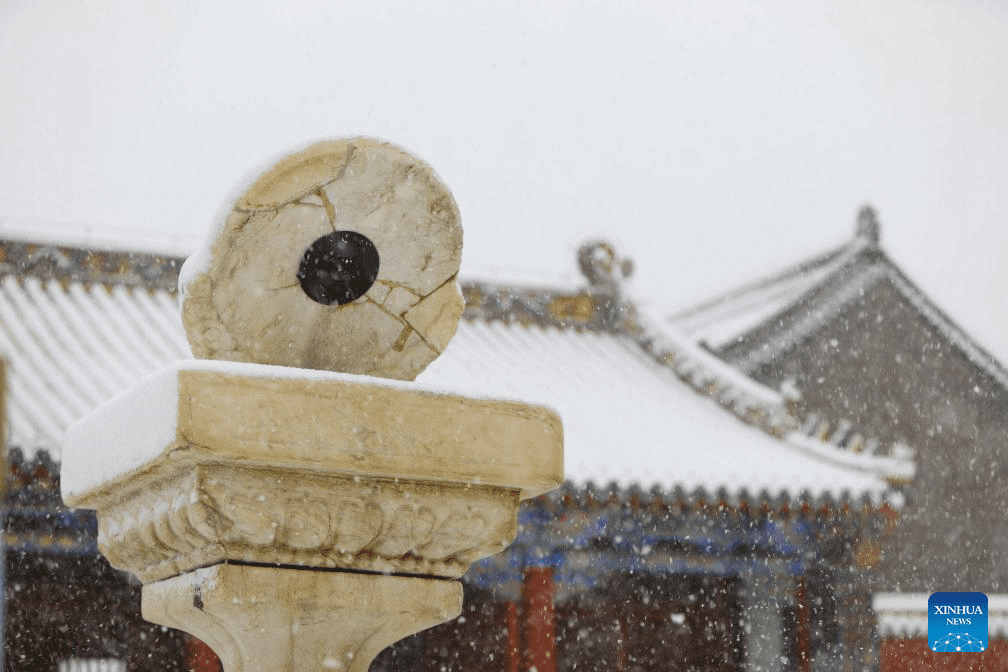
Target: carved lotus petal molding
[[215, 512]]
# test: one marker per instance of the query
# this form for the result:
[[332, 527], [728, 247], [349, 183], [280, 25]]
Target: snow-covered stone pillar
[[298, 519]]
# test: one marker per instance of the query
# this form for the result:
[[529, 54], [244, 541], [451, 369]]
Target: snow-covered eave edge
[[758, 404], [24, 230], [899, 468], [869, 501], [590, 493], [905, 615], [747, 399], [702, 370]]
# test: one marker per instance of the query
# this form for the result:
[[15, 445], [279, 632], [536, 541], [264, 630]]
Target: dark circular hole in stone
[[338, 268]]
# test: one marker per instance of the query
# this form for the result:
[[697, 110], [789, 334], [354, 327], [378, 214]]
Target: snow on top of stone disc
[[342, 256]]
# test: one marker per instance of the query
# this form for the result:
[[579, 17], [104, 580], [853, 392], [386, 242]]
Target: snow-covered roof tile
[[905, 615], [68, 347], [642, 405], [629, 421]]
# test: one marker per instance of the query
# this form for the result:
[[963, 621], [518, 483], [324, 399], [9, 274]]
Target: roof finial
[[600, 264], [868, 224]]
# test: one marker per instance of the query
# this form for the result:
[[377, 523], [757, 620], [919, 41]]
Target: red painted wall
[[913, 655]]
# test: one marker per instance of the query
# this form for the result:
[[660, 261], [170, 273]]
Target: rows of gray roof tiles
[[70, 347], [628, 418]]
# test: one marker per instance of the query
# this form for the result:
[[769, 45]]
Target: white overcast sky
[[714, 142]]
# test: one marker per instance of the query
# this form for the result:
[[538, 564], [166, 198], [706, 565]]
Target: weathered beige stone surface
[[241, 298], [328, 422], [265, 619], [270, 465], [186, 514]]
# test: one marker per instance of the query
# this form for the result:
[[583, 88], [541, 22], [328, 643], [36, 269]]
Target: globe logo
[[957, 622], [960, 641]]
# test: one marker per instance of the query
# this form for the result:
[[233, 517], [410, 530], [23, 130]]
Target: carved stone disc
[[342, 257]]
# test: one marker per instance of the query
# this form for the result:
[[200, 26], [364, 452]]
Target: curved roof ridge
[[831, 293], [758, 404], [671, 348], [751, 325], [706, 373], [793, 279], [748, 302], [47, 260], [973, 351], [804, 316]]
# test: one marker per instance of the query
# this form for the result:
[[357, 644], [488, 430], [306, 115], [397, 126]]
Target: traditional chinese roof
[[754, 324], [642, 405], [75, 329]]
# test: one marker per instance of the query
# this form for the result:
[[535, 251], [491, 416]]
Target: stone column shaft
[[273, 619]]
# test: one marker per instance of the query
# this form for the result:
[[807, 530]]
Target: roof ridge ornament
[[603, 268], [868, 227]]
